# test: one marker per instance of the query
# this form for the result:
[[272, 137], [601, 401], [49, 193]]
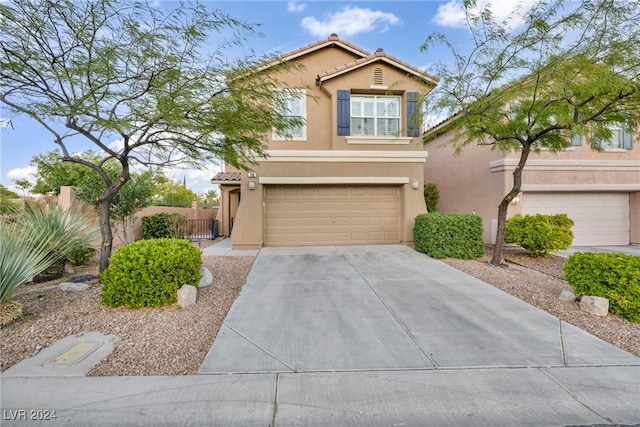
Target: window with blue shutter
[[344, 112], [413, 121]]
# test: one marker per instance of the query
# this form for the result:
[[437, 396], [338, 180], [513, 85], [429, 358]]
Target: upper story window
[[375, 116], [295, 107], [620, 139]]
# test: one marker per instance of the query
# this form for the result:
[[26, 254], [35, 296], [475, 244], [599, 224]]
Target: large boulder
[[207, 277], [187, 295], [594, 305]]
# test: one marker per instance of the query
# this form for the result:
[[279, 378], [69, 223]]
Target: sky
[[399, 27]]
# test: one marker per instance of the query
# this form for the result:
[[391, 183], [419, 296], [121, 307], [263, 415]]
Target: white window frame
[[617, 134], [375, 116], [301, 95]]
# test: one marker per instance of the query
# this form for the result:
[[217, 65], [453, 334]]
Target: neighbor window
[[376, 116], [619, 139], [295, 107]]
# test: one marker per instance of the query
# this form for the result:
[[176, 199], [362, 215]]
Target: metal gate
[[200, 229]]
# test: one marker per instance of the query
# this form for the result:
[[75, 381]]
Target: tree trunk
[[504, 204], [104, 208]]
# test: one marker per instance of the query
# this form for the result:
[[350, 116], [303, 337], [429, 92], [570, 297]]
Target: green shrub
[[148, 273], [609, 275], [540, 234], [81, 256], [163, 226], [431, 197], [454, 235]]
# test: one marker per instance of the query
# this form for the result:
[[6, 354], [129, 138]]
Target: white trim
[[333, 180], [343, 156], [226, 182], [403, 140], [276, 137], [552, 188], [379, 87], [567, 165]]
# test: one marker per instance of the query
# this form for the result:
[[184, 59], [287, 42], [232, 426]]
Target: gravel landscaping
[[174, 341]]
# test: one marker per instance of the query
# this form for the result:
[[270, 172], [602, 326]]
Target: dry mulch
[[158, 341]]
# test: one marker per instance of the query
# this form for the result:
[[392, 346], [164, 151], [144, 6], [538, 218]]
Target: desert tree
[[557, 71], [144, 84]]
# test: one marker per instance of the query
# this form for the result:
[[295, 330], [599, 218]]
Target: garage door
[[600, 218], [331, 214]]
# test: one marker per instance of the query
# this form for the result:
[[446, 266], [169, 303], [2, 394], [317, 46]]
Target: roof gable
[[364, 58], [378, 56]]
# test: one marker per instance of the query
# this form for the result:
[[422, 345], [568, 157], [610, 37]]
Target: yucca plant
[[32, 242]]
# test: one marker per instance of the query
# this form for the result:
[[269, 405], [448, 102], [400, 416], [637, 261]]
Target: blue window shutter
[[627, 140], [576, 141], [344, 112], [413, 123]]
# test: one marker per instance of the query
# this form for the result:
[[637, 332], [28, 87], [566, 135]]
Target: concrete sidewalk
[[362, 336]]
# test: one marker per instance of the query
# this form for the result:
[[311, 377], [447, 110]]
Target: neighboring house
[[353, 174], [600, 191]]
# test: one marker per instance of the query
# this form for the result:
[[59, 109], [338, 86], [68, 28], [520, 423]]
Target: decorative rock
[[567, 296], [82, 278], [207, 277], [187, 296], [595, 305], [73, 287]]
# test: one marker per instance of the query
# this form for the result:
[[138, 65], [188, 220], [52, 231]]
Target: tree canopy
[[567, 70], [142, 83]]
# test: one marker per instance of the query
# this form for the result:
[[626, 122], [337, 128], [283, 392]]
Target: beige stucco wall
[[322, 139], [249, 226], [458, 180], [479, 177]]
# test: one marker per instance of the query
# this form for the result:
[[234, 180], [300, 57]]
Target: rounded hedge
[[148, 273]]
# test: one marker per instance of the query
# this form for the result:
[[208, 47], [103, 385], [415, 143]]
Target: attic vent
[[377, 76]]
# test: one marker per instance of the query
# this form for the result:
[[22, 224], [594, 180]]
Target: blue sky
[[399, 27]]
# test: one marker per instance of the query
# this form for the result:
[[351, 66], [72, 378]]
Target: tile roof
[[227, 176], [332, 39], [379, 55]]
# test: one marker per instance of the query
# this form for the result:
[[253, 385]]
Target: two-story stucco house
[[353, 174], [599, 190]]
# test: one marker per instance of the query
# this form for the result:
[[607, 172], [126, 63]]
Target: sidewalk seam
[[574, 397], [261, 348], [275, 401]]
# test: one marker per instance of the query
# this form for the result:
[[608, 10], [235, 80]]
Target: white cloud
[[198, 180], [22, 173], [451, 14], [295, 7], [349, 21]]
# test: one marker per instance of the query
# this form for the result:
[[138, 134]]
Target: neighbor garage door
[[331, 214], [600, 218]]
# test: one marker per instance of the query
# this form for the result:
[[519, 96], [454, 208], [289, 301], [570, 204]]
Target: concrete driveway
[[387, 308]]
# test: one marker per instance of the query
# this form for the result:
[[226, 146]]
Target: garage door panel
[[599, 218], [331, 214]]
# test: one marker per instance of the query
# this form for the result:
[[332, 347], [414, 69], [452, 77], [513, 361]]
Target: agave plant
[[32, 242]]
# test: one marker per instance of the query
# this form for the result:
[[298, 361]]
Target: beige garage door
[[600, 218], [331, 214]]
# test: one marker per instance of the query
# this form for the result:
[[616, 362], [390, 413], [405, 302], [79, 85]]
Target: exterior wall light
[[515, 200], [251, 185], [415, 184]]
